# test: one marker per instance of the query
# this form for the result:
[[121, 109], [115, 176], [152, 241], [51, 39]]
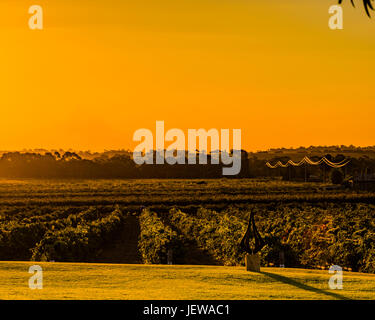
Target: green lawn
[[115, 281]]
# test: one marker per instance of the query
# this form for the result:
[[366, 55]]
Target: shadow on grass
[[303, 286]]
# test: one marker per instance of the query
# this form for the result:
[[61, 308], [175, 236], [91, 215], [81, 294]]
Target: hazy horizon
[[129, 150]]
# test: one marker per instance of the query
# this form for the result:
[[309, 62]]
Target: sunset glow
[[100, 70]]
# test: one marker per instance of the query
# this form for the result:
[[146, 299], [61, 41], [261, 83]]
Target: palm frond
[[366, 3]]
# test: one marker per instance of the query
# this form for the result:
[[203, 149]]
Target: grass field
[[115, 281]]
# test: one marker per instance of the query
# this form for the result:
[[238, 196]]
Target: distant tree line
[[72, 165], [58, 165]]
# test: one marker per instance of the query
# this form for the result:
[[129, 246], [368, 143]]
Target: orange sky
[[102, 69]]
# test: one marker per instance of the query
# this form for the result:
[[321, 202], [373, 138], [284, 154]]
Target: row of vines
[[308, 236], [60, 235]]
